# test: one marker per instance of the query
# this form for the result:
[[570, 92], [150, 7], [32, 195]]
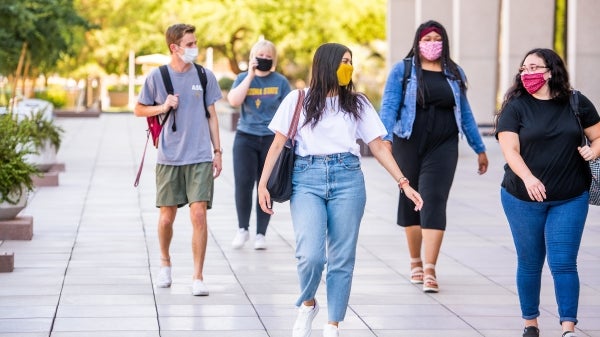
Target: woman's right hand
[[413, 195], [252, 64], [264, 199], [535, 188]]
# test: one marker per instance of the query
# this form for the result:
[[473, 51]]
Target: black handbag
[[279, 184]]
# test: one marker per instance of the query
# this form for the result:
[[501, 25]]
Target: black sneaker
[[531, 331]]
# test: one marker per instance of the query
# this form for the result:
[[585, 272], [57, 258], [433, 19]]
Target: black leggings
[[249, 153]]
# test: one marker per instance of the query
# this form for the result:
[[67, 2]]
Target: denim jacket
[[404, 126]]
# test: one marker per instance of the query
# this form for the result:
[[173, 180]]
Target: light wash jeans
[[555, 228], [327, 205]]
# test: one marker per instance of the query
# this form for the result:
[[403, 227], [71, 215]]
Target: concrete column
[[489, 39], [583, 48], [476, 51], [525, 25], [400, 29]]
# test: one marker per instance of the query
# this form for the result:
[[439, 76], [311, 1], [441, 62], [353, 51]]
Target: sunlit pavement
[[88, 271]]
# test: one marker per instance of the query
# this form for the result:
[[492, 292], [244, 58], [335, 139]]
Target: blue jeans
[[249, 153], [327, 205], [554, 227]]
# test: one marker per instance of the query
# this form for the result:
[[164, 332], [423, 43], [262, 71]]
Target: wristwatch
[[219, 151]]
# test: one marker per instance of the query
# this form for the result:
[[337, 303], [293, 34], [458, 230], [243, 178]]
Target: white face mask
[[189, 55]]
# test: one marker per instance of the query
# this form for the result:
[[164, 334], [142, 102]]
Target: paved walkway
[[88, 270]]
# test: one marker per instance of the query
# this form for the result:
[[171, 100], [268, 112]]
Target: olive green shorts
[[180, 185]]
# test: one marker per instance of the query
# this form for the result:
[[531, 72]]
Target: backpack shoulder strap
[[164, 72], [406, 75], [203, 82], [166, 79], [574, 103]]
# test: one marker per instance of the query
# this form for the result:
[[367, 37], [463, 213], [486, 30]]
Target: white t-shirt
[[336, 132]]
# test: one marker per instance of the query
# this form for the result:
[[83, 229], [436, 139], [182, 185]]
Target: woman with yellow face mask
[[328, 196]]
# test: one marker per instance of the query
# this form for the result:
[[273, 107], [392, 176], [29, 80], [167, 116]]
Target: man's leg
[[165, 233], [199, 236]]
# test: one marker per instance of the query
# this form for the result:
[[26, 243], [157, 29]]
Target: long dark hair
[[324, 81], [558, 83], [447, 63]]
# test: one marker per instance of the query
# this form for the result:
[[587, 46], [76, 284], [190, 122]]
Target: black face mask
[[264, 64]]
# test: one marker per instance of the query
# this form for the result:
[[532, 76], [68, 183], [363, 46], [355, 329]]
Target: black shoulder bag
[[279, 184]]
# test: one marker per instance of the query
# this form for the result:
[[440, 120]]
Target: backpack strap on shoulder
[[164, 72], [406, 75], [203, 82]]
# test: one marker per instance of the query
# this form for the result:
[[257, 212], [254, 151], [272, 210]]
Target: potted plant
[[44, 136], [119, 95], [15, 171]]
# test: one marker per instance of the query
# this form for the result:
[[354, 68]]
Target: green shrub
[[225, 83], [39, 129], [15, 171], [118, 88], [57, 96]]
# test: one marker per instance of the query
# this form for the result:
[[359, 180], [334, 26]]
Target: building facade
[[489, 39]]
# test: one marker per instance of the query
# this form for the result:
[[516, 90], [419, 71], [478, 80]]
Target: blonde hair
[[261, 45]]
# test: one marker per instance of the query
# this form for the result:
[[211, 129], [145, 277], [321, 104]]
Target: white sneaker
[[260, 242], [164, 277], [199, 288], [240, 238], [331, 331], [303, 324]]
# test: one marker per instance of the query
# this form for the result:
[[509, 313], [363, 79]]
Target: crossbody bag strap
[[294, 126], [139, 172]]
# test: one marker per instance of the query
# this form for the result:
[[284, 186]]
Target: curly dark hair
[[324, 81], [558, 83], [447, 63]]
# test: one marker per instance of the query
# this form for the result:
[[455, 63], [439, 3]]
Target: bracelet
[[401, 181], [219, 151]]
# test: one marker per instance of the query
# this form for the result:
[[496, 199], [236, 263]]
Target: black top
[[437, 90], [434, 122], [548, 136]]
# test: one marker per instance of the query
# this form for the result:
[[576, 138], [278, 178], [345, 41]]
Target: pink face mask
[[533, 82], [431, 50]]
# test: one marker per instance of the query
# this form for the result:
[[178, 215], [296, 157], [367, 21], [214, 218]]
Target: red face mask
[[533, 82]]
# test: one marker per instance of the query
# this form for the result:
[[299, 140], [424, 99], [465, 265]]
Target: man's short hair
[[176, 32]]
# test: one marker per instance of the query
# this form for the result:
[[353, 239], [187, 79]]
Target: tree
[[230, 27], [560, 28], [36, 34]]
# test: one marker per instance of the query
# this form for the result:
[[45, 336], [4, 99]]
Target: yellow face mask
[[344, 74]]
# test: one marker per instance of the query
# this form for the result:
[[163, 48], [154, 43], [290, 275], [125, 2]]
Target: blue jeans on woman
[[327, 205], [249, 153], [553, 228]]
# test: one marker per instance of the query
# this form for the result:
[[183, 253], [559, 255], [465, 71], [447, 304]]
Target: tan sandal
[[416, 273], [430, 284]]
